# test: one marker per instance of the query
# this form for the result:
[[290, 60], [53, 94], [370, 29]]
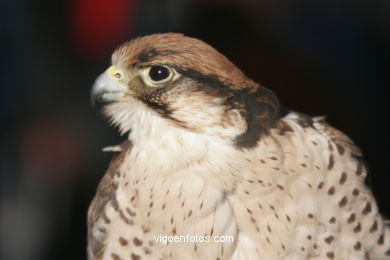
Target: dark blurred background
[[326, 57]]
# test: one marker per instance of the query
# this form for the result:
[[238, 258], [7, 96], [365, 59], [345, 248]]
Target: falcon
[[211, 153]]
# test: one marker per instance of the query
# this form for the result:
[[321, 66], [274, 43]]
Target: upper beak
[[106, 90]]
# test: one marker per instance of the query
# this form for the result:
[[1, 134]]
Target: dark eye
[[159, 73]]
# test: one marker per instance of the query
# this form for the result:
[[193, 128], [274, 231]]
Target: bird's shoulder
[[341, 140], [105, 192], [321, 126]]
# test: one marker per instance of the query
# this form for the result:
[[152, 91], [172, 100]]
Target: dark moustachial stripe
[[259, 107], [162, 109]]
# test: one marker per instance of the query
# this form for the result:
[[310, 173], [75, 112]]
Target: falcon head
[[171, 79]]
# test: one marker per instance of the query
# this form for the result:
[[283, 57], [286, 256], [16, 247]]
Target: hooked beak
[[106, 89]]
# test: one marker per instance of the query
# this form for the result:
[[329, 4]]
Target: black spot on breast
[[374, 227], [330, 255], [137, 241], [359, 169], [331, 190], [351, 218], [269, 229], [367, 209], [122, 241], [135, 256], [343, 178], [343, 202], [357, 246], [357, 228], [147, 250], [329, 239], [331, 162], [381, 240], [115, 257]]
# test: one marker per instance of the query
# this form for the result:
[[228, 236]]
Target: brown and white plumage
[[210, 152]]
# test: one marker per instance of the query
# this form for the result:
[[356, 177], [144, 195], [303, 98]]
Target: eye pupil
[[158, 73]]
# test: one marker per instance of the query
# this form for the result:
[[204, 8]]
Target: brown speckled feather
[[213, 155], [342, 140], [105, 193]]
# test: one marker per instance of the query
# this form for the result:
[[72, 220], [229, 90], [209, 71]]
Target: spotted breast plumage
[[212, 153]]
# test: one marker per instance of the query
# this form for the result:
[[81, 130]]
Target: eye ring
[[159, 73], [117, 75]]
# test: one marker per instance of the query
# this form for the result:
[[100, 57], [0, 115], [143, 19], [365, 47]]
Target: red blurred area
[[98, 26], [52, 149]]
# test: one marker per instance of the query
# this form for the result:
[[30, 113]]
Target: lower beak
[[106, 90]]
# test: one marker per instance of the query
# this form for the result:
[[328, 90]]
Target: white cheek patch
[[207, 115], [197, 113]]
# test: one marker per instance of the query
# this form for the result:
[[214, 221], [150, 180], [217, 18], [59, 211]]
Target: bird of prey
[[212, 153]]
